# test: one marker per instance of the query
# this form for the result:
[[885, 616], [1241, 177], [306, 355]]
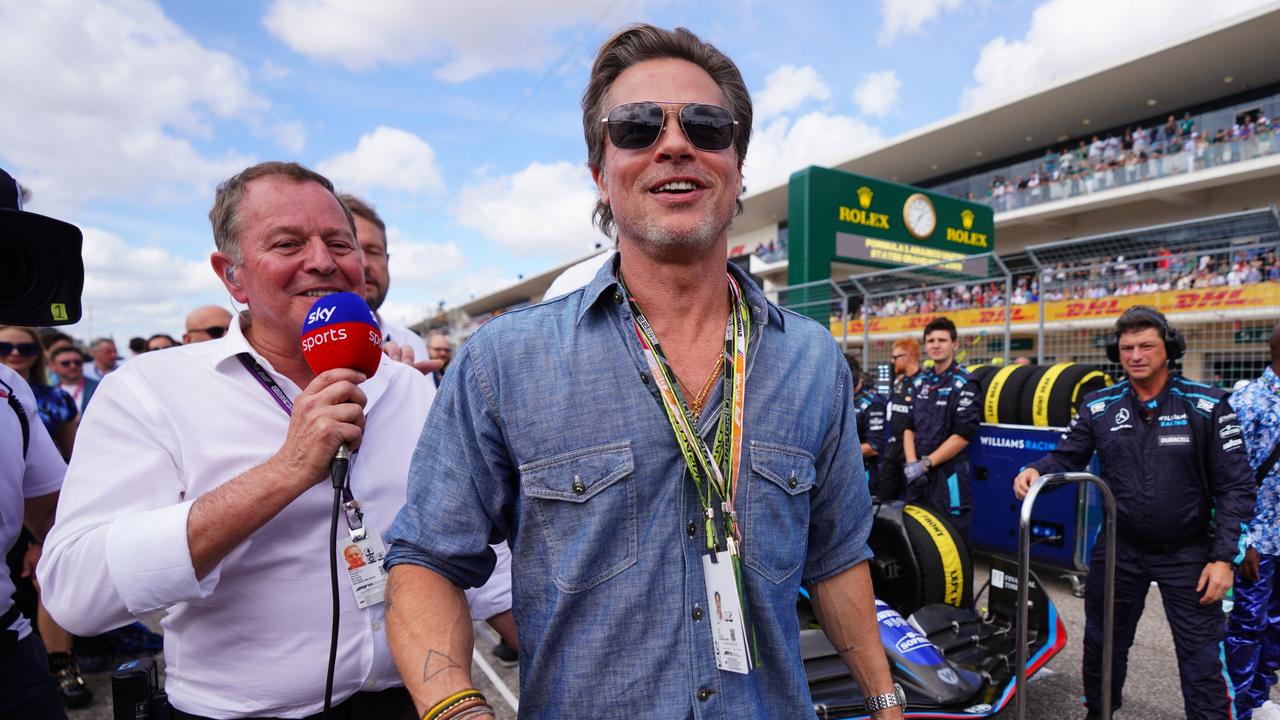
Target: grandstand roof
[[1219, 60]]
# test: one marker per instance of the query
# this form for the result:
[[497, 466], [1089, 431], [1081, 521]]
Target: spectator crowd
[[1095, 277]]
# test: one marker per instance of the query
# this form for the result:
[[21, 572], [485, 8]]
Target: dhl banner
[[1170, 302]]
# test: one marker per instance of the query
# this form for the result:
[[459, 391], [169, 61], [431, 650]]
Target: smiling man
[[659, 438], [199, 487], [1171, 451]]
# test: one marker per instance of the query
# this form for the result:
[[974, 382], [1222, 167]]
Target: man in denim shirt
[[557, 430]]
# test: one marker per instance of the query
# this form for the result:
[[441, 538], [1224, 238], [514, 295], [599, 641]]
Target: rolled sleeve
[[494, 597], [121, 511], [461, 481], [840, 503], [154, 578]]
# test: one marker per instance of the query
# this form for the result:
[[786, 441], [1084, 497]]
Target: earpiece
[[230, 275]]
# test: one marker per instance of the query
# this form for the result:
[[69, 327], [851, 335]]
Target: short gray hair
[[224, 216]]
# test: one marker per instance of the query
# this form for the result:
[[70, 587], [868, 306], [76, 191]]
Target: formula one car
[[952, 659]]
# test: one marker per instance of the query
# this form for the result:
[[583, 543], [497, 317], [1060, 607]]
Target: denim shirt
[[548, 431]]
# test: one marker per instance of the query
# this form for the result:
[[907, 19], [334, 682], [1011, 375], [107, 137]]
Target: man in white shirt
[[371, 233], [199, 484]]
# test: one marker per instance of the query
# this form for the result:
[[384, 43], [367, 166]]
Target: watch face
[[919, 216]]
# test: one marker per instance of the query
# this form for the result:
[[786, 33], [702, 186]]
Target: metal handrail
[[1024, 577]]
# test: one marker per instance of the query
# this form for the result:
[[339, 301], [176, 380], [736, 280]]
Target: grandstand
[[1153, 181]]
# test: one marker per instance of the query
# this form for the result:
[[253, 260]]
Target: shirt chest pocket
[[776, 531], [584, 504]]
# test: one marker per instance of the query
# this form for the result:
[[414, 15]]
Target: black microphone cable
[[338, 474]]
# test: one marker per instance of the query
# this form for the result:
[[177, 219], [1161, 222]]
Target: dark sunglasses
[[637, 125], [70, 363], [27, 349], [214, 332]]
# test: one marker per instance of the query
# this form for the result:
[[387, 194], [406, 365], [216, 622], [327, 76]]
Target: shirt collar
[[606, 284]]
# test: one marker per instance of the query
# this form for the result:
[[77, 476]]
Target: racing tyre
[[982, 375], [1002, 402], [1034, 380], [1055, 396], [946, 570]]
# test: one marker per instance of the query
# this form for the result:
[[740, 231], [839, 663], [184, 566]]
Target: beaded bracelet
[[466, 708], [442, 709]]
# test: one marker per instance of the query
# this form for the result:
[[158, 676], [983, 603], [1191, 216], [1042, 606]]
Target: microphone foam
[[342, 332]]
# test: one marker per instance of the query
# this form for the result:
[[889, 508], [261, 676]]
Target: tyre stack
[[1042, 396]]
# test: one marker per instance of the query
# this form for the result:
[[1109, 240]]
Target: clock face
[[919, 215]]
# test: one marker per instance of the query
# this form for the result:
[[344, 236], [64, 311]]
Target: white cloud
[[783, 147], [786, 88], [137, 290], [906, 17], [107, 99], [877, 94], [415, 262], [1064, 40], [544, 209], [468, 38], [389, 159]]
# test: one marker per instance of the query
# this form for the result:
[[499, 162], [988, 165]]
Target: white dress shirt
[[403, 336], [39, 473], [252, 637]]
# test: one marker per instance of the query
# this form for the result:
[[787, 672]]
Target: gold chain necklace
[[695, 405]]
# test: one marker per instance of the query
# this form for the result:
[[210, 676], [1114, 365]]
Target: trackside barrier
[[1024, 578]]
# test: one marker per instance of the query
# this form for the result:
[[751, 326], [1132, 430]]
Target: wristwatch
[[897, 698]]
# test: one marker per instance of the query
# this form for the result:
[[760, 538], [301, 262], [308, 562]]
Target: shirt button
[[705, 693], [578, 487], [377, 625], [692, 529], [791, 481], [617, 297], [644, 378], [697, 612]]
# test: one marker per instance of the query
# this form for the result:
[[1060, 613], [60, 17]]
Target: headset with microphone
[[1175, 344]]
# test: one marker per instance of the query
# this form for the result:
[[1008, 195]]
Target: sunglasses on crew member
[[214, 332], [70, 363], [637, 125], [26, 349]]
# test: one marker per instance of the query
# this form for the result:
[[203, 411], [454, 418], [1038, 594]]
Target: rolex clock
[[919, 216]]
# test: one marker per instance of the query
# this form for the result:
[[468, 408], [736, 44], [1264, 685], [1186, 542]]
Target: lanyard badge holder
[[732, 631]]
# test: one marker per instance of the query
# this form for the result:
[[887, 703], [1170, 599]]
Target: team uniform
[[890, 481], [1253, 628], [872, 408], [1177, 467], [941, 405]]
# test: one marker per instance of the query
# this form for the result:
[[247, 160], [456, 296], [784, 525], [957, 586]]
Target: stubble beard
[[658, 237]]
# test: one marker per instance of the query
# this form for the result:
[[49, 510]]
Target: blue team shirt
[[1257, 405]]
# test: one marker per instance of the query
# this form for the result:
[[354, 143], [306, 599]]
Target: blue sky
[[460, 121]]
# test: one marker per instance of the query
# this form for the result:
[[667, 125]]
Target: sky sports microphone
[[341, 332]]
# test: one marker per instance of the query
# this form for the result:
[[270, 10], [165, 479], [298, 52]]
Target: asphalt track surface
[[1151, 691]]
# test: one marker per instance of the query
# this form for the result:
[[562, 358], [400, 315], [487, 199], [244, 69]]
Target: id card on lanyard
[[715, 473], [368, 578]]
